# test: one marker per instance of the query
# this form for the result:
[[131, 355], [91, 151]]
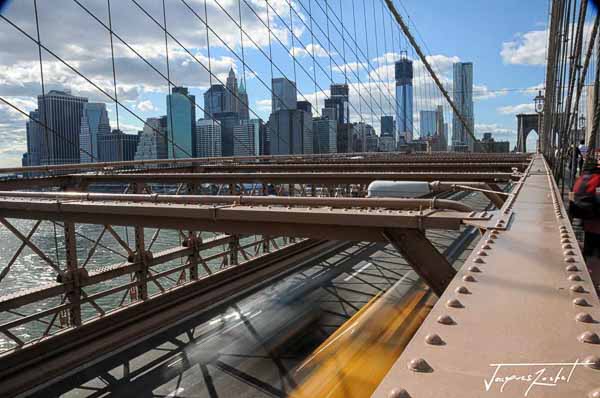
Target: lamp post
[[538, 102]]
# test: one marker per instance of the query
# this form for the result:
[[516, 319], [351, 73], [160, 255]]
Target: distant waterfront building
[[244, 107], [181, 123], [247, 138], [35, 142], [427, 123], [463, 98], [152, 142], [228, 121], [339, 102], [489, 145], [404, 99], [324, 135], [94, 124], [388, 126], [290, 133], [284, 95], [231, 98], [364, 138], [117, 146], [208, 138], [214, 100], [61, 112]]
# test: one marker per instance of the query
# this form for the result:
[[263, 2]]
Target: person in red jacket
[[586, 205]]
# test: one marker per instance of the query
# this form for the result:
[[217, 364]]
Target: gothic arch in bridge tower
[[526, 123]]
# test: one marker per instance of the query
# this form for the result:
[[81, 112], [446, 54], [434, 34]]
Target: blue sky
[[504, 40]]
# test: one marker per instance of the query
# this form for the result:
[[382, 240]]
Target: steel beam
[[519, 319], [288, 178], [423, 257], [315, 158], [319, 223]]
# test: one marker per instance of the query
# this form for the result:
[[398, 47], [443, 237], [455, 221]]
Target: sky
[[352, 40]]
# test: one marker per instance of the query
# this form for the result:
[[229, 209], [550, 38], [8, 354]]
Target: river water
[[29, 271]]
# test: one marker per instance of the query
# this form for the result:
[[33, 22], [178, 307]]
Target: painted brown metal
[[293, 178], [391, 203], [318, 223], [315, 158], [512, 316], [423, 257]]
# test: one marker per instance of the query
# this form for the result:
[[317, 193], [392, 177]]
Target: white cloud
[[526, 49], [309, 51], [516, 109], [146, 106]]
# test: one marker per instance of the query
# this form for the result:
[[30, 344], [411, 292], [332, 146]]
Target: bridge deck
[[529, 314]]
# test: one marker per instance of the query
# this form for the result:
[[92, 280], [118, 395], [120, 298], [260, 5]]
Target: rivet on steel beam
[[434, 339], [469, 278], [500, 221], [564, 235], [445, 320], [482, 253], [486, 247], [577, 289], [580, 301], [398, 393], [592, 361], [589, 337], [454, 303], [570, 260], [462, 290], [595, 393], [490, 241], [472, 214], [584, 317], [479, 260], [565, 240], [419, 365], [575, 278], [569, 252], [474, 268], [567, 246]]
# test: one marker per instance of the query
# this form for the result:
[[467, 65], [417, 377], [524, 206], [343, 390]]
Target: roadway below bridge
[[251, 347]]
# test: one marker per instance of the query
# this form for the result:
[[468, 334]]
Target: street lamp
[[538, 102]]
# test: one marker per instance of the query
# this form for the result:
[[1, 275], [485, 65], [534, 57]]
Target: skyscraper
[[463, 98], [247, 137], [388, 126], [94, 124], [284, 94], [244, 108], [181, 123], [61, 112], [34, 139], [228, 121], [117, 146], [214, 100], [231, 98], [427, 123], [324, 135], [339, 97], [208, 138], [153, 142], [404, 99]]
